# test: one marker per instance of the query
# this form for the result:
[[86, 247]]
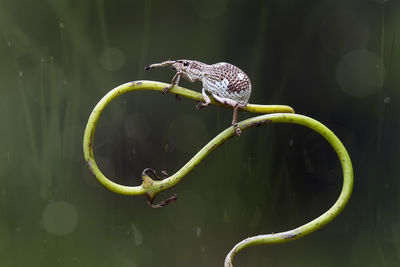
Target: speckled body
[[225, 82], [222, 79]]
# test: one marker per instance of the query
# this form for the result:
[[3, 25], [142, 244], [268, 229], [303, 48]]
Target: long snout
[[162, 64]]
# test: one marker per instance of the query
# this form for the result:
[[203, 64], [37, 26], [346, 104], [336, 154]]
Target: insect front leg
[[174, 82]]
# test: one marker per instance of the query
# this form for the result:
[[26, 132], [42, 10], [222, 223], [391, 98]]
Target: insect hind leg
[[235, 106], [225, 101]]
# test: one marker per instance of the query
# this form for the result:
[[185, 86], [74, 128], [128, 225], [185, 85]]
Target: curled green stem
[[279, 114], [325, 218], [150, 187]]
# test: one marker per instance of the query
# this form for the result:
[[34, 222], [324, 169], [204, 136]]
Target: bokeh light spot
[[112, 59], [137, 236], [60, 218], [360, 74], [198, 231], [386, 100]]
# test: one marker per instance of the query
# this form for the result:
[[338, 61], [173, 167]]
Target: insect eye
[[185, 63]]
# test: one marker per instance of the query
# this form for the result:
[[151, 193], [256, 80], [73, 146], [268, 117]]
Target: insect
[[225, 82]]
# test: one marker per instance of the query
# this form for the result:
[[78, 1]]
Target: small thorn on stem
[[152, 171], [200, 105], [162, 203]]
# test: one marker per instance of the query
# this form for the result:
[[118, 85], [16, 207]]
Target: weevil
[[225, 82]]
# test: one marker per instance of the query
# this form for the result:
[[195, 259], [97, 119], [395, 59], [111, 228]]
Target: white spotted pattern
[[221, 79]]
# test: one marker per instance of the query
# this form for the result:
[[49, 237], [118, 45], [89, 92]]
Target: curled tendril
[[272, 114]]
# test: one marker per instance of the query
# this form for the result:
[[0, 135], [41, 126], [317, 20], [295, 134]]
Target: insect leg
[[206, 99], [225, 101], [235, 106], [174, 82], [234, 120]]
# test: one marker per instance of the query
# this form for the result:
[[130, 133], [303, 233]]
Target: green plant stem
[[325, 218], [149, 186], [280, 114]]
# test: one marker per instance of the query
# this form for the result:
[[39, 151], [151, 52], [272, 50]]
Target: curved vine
[[273, 114]]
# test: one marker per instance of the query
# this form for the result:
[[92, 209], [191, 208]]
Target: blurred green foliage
[[335, 61]]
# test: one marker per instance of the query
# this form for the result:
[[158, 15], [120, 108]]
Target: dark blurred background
[[335, 61]]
